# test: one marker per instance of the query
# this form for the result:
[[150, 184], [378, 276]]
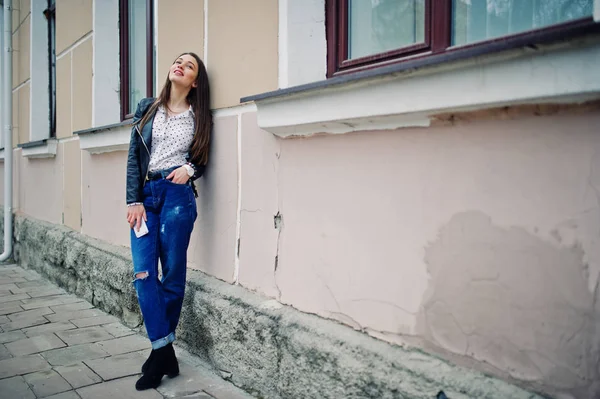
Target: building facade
[[425, 172]]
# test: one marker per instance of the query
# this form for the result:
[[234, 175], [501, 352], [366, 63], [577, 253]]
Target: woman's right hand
[[135, 213]]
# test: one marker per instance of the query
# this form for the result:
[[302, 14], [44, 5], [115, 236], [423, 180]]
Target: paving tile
[[11, 280], [48, 301], [11, 336], [47, 292], [84, 335], [78, 375], [40, 343], [74, 354], [79, 314], [123, 388], [5, 291], [22, 365], [31, 275], [15, 388], [117, 366], [30, 314], [46, 383], [17, 325], [9, 304], [4, 319], [35, 284], [4, 353], [94, 321], [198, 379], [12, 298], [13, 308], [48, 328], [118, 330], [70, 307], [18, 290], [131, 343], [65, 395]]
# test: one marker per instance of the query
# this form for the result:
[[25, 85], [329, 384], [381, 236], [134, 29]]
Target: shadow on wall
[[521, 304]]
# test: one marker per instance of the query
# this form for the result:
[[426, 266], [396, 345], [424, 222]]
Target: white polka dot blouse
[[171, 139]]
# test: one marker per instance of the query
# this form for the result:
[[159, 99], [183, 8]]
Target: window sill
[[413, 93], [39, 149], [107, 138]]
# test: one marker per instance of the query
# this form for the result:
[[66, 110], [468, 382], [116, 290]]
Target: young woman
[[167, 152]]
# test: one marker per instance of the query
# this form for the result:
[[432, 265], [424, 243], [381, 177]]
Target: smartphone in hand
[[142, 231]]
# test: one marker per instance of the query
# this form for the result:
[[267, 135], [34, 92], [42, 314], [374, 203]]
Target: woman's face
[[184, 71]]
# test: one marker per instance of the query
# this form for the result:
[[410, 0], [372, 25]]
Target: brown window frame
[[124, 50], [438, 34]]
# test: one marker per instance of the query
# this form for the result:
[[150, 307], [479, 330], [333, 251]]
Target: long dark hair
[[199, 99]]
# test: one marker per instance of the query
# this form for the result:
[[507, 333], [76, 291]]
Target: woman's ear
[[195, 84]]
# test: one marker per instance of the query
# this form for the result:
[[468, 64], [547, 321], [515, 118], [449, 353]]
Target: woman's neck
[[178, 99]]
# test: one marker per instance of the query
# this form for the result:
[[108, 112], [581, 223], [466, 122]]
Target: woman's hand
[[179, 176], [135, 213]]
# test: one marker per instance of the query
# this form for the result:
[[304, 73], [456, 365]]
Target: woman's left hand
[[179, 176]]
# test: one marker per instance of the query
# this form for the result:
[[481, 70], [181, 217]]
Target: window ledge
[[402, 95], [109, 138], [39, 149]]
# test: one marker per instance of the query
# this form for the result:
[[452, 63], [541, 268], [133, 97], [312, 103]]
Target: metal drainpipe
[[7, 119]]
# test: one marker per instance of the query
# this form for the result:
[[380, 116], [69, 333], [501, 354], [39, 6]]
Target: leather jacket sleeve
[[134, 178]]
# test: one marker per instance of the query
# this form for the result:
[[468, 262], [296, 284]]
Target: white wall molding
[[410, 99], [45, 150], [110, 139], [106, 80], [237, 110], [39, 97]]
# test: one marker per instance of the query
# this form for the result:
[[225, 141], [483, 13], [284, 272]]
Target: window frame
[[50, 14], [124, 55], [438, 35]]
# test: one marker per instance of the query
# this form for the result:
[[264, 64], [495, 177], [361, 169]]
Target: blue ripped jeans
[[171, 212]]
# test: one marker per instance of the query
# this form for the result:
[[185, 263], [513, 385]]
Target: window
[[366, 33], [137, 54], [50, 14]]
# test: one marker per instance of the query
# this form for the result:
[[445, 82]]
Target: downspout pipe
[[7, 120]]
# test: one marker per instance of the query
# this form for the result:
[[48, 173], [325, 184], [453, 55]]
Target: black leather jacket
[[138, 159]]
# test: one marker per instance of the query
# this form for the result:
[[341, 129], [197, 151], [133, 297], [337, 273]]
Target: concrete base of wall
[[270, 350]]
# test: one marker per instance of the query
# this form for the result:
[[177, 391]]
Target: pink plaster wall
[[478, 241], [40, 187], [103, 208], [213, 242], [260, 204]]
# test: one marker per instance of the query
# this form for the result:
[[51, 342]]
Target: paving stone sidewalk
[[55, 345]]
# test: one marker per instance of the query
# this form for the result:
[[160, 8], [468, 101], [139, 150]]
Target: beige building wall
[[23, 112], [81, 81], [21, 73], [63, 97], [188, 14], [242, 49], [73, 21]]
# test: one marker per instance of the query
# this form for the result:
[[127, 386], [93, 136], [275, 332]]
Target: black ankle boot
[[163, 362], [147, 362]]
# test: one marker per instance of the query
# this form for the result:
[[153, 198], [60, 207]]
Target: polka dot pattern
[[171, 139]]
